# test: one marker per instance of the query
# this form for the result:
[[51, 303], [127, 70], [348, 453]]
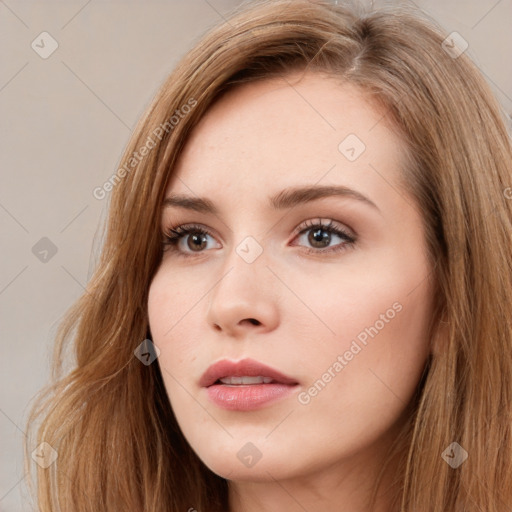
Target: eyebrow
[[287, 198]]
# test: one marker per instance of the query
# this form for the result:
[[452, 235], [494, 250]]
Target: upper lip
[[245, 367]]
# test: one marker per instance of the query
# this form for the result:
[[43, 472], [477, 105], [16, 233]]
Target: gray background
[[64, 121]]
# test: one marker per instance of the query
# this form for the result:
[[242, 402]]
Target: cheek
[[169, 304], [172, 295], [360, 303], [376, 317]]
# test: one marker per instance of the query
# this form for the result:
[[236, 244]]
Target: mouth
[[242, 373], [245, 385], [245, 380]]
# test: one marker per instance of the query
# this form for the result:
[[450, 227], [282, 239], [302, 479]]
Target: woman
[[304, 297]]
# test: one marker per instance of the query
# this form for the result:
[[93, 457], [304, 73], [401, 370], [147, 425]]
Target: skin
[[254, 142]]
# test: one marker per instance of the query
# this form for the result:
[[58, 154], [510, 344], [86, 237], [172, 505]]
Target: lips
[[244, 368]]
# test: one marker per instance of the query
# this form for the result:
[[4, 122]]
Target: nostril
[[254, 321]]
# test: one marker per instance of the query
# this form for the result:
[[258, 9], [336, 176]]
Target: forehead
[[277, 132]]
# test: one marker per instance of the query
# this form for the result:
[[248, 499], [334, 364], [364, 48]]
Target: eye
[[191, 238], [186, 239], [320, 235]]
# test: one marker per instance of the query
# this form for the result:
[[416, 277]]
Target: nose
[[244, 300]]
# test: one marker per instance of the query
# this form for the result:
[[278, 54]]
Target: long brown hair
[[109, 419]]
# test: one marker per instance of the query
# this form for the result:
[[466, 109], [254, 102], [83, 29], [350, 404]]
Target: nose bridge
[[245, 262], [244, 291]]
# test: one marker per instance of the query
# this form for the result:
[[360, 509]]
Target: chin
[[243, 460]]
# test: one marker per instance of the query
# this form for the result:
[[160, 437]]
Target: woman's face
[[341, 310]]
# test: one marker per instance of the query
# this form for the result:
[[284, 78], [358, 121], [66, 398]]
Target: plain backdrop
[[65, 118]]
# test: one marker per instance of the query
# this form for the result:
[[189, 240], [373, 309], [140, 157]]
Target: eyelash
[[173, 235]]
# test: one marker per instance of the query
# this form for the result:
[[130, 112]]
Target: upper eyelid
[[305, 225], [325, 222]]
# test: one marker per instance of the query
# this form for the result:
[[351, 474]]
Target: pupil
[[198, 241], [319, 236]]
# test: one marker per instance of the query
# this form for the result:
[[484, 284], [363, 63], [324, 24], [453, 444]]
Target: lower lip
[[247, 397]]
